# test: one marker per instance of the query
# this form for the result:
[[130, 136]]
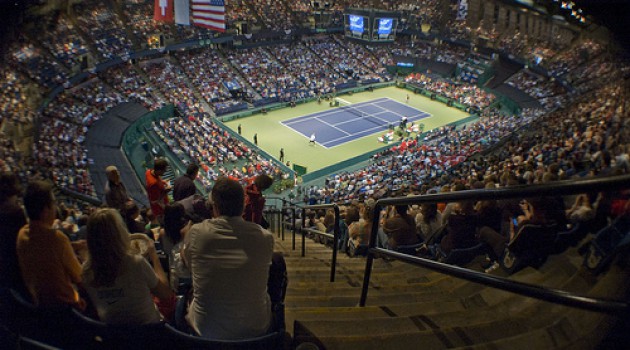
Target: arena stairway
[[409, 307]]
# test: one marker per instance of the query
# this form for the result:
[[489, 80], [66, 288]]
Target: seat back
[[98, 335], [533, 238], [49, 325], [273, 340], [464, 256], [411, 249], [608, 241]]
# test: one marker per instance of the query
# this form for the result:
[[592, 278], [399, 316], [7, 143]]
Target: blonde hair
[[108, 243]]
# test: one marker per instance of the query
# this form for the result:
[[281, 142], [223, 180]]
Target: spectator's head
[[352, 214], [82, 220], [9, 187], [39, 202], [159, 166], [112, 174], [108, 242], [263, 182], [174, 221], [228, 197], [192, 170]]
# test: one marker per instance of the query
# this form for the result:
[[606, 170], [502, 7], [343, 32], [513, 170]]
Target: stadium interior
[[469, 114]]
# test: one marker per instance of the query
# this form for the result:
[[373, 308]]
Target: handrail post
[[293, 229], [282, 215], [335, 238], [303, 232], [370, 255], [279, 224]]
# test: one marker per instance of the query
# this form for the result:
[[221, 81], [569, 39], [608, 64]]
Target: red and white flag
[[163, 10], [209, 14]]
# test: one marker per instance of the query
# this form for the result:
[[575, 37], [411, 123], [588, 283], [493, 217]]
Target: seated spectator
[[119, 282], [230, 260], [176, 226], [428, 221], [460, 227], [12, 219], [400, 228], [49, 266], [133, 220], [534, 212], [360, 231]]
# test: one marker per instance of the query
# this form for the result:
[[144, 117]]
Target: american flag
[[209, 14]]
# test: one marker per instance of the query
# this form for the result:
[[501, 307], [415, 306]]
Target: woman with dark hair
[[12, 218], [400, 228], [360, 231], [131, 214], [428, 221], [176, 226], [119, 282]]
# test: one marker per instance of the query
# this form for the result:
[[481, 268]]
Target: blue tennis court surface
[[343, 124]]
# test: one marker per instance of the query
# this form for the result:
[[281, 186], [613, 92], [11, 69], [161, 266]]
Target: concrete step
[[402, 333]]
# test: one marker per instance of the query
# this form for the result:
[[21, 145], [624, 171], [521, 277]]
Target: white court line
[[332, 126], [376, 128], [373, 129], [373, 103], [333, 111]]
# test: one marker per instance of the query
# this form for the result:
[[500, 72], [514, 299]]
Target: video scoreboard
[[370, 25]]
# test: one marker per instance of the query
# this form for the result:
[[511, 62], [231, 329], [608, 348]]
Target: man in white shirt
[[229, 259]]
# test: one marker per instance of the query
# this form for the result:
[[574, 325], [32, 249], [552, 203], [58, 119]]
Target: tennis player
[[312, 140]]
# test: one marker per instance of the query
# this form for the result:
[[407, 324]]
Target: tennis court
[[349, 122]]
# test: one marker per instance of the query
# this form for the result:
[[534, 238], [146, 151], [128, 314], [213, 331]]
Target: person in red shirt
[[254, 200], [157, 189]]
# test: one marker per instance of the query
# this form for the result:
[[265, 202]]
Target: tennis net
[[347, 106]]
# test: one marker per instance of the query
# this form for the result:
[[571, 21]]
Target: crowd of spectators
[[468, 95], [139, 15], [63, 41], [590, 137], [13, 101], [105, 29], [342, 61], [549, 92], [299, 60], [171, 81], [133, 86], [276, 15], [200, 140], [208, 72], [569, 60], [418, 162], [25, 56], [63, 127], [239, 11], [283, 72], [268, 77]]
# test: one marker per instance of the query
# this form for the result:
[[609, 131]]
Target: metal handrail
[[609, 184], [335, 233]]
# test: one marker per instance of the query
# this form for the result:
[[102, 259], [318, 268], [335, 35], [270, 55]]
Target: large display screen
[[371, 25], [385, 26], [356, 23]]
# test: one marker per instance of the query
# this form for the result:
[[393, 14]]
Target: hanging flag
[[462, 11], [209, 14], [182, 12], [163, 10]]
